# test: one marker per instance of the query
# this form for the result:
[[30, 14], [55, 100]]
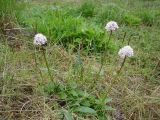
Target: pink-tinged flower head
[[111, 26], [126, 51], [39, 39]]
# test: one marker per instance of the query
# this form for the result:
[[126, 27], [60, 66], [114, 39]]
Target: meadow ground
[[83, 83]]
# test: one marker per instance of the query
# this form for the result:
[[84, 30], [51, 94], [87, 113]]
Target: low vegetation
[[78, 74]]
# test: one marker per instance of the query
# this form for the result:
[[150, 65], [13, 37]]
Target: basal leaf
[[84, 109]]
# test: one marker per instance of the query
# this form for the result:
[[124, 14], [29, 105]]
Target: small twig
[[12, 37], [19, 111], [24, 106], [14, 29]]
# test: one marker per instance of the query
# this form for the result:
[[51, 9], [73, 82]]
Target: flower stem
[[109, 39], [122, 65], [102, 63], [81, 64], [124, 37], [47, 65], [129, 39], [111, 85], [103, 56], [156, 67], [40, 72], [114, 81]]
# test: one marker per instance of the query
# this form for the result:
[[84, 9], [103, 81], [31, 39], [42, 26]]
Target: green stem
[[79, 57], [109, 39], [124, 37], [110, 87], [129, 39], [47, 65], [103, 56], [114, 81], [156, 67], [102, 63], [40, 72], [122, 65], [81, 75]]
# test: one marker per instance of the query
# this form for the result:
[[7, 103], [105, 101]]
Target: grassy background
[[26, 91]]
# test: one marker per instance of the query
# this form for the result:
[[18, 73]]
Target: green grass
[[80, 90]]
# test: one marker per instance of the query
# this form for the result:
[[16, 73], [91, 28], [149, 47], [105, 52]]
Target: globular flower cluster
[[126, 51], [111, 26], [39, 39]]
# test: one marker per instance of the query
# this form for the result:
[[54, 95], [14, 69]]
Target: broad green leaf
[[84, 109], [82, 93], [74, 93], [63, 95], [109, 117], [108, 100], [73, 85], [109, 108], [86, 103], [68, 115]]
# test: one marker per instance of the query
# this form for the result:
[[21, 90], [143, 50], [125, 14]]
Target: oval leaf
[[84, 109], [68, 115]]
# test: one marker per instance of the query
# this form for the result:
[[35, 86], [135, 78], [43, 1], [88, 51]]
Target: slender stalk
[[109, 39], [122, 64], [47, 65], [124, 37], [129, 39], [110, 87], [103, 56], [156, 67], [4, 69], [102, 63], [81, 75], [114, 81], [79, 56], [40, 72]]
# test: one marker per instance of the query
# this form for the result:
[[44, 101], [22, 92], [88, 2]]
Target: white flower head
[[39, 39], [126, 51], [111, 26]]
